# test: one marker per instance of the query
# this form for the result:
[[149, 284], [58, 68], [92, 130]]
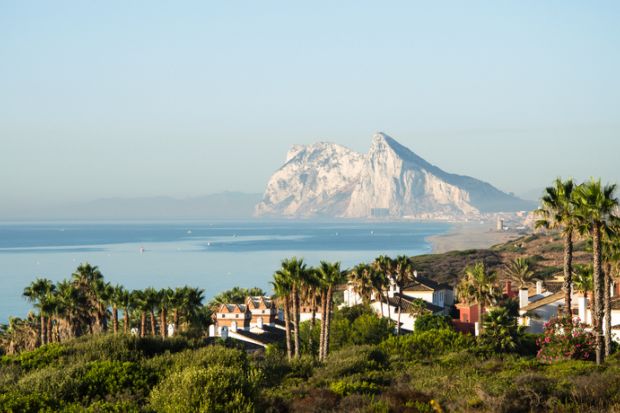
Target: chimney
[[523, 298], [539, 287], [415, 274]]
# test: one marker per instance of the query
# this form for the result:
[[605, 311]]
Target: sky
[[132, 99]]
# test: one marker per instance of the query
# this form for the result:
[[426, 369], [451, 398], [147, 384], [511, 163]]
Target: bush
[[217, 388], [370, 329], [565, 339], [426, 344], [427, 322], [352, 360]]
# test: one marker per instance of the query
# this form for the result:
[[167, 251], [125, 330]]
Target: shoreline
[[469, 235]]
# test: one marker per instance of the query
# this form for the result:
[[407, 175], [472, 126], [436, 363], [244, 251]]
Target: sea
[[214, 256]]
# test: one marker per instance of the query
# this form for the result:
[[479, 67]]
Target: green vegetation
[[427, 371]]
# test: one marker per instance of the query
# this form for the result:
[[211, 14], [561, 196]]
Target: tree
[[361, 277], [40, 293], [295, 270], [384, 267], [478, 286], [282, 289], [520, 271], [94, 293], [557, 211], [403, 272], [165, 299], [594, 207], [330, 276], [501, 331], [151, 301], [611, 258], [140, 302]]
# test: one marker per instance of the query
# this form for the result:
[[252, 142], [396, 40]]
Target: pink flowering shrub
[[565, 339]]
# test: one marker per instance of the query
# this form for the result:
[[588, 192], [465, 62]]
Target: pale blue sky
[[188, 98]]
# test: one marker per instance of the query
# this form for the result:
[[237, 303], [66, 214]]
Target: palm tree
[[595, 206], [478, 286], [140, 302], [611, 258], [71, 308], [384, 267], [361, 278], [309, 294], [119, 298], [152, 300], [520, 271], [296, 271], [330, 276], [557, 211], [123, 298], [192, 308], [403, 273], [282, 289], [88, 280], [165, 299], [40, 292]]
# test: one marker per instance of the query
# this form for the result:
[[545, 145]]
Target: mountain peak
[[327, 179]]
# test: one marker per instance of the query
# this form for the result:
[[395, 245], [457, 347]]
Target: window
[[236, 315], [223, 315]]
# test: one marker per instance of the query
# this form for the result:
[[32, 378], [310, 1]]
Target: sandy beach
[[469, 235]]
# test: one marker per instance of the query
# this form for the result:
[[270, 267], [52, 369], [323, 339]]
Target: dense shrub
[[216, 388], [422, 345], [428, 322], [370, 329]]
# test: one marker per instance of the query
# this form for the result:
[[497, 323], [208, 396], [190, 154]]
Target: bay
[[214, 255]]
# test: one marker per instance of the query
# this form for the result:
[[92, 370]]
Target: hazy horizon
[[137, 100]]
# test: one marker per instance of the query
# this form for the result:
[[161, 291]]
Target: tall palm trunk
[[296, 320], [389, 308], [163, 318], [50, 332], [381, 301], [607, 308], [312, 320], [598, 292], [125, 320], [323, 324], [43, 330], [287, 326], [400, 300], [480, 317], [142, 323], [328, 318], [175, 319], [115, 319], [568, 272], [153, 323]]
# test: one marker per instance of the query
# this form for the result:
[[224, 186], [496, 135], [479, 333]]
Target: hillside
[[546, 251]]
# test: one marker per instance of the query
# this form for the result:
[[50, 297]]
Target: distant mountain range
[[329, 180], [225, 205]]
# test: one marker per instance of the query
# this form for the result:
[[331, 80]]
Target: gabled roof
[[421, 283], [259, 302], [544, 301], [407, 302], [232, 308]]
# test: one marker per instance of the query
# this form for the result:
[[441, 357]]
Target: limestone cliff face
[[316, 180], [330, 180]]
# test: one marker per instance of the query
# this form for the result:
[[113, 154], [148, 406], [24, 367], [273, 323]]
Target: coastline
[[469, 235]]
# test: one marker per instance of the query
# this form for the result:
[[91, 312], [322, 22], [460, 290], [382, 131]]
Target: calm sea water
[[214, 256]]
